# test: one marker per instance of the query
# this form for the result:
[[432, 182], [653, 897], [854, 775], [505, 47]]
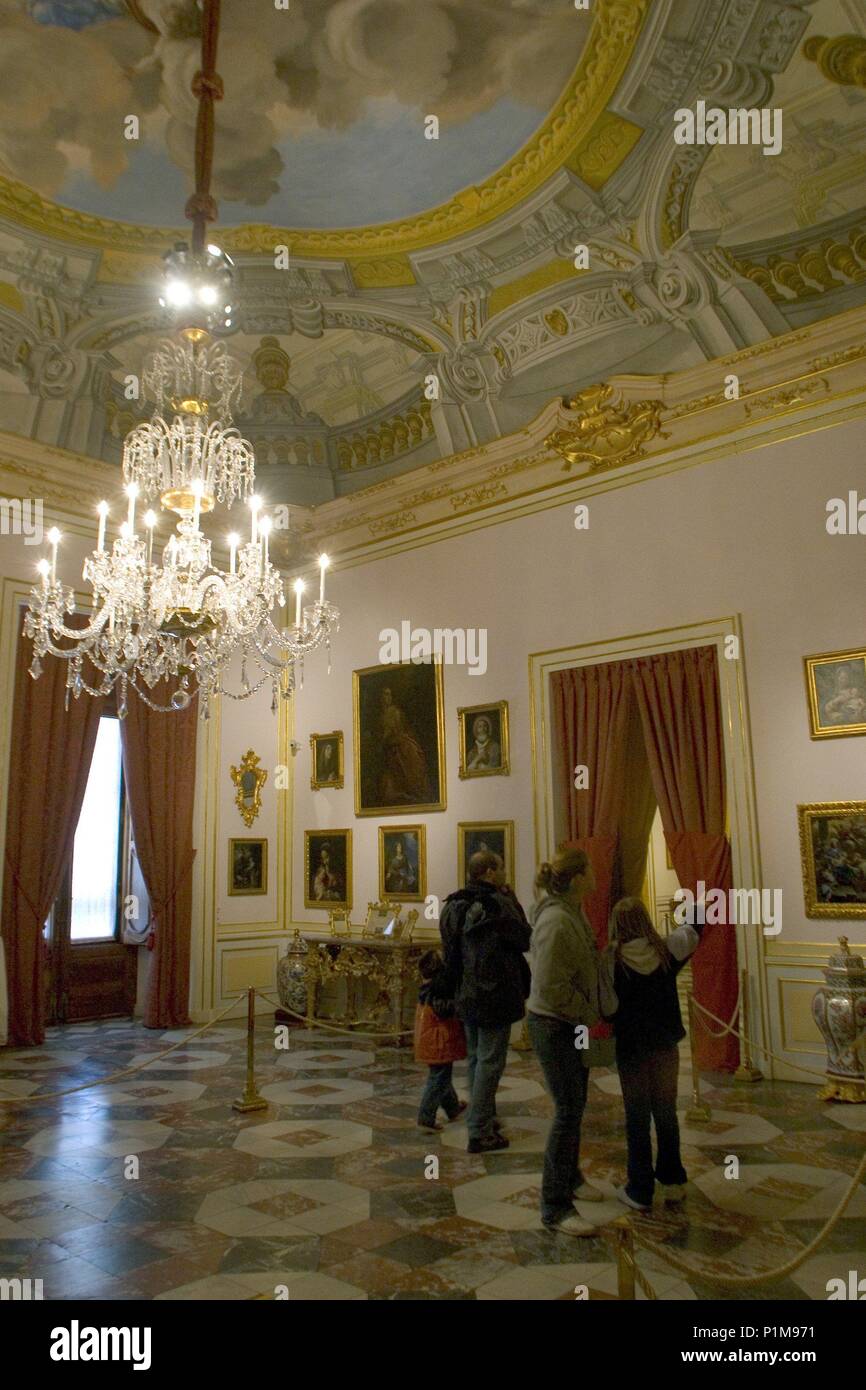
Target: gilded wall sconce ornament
[[606, 433], [249, 779]]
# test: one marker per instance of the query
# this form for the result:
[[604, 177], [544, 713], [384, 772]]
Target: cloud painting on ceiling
[[323, 121]]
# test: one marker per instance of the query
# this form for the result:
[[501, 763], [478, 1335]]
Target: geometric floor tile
[[509, 1203], [141, 1091], [304, 1138], [526, 1134], [319, 1090], [301, 1286], [31, 1209], [280, 1207], [108, 1138], [849, 1116], [34, 1059], [184, 1059], [326, 1058], [781, 1191], [726, 1128]]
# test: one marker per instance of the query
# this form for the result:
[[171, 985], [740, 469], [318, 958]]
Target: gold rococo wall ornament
[[249, 778]]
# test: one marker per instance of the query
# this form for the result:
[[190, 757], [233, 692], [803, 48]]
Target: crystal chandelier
[[179, 618]]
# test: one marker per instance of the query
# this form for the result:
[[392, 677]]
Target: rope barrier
[[764, 1276], [333, 1028], [116, 1075], [750, 1042]]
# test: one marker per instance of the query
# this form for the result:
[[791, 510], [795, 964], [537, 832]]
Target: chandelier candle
[[54, 538], [299, 589], [323, 565], [103, 514]]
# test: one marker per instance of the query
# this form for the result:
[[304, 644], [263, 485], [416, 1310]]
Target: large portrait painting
[[833, 852], [402, 863], [399, 739], [836, 685], [328, 869], [474, 836]]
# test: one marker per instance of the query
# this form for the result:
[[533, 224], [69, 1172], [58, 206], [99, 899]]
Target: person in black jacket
[[485, 935], [648, 1028]]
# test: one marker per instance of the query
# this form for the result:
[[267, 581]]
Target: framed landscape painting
[[836, 688], [328, 869], [833, 854], [399, 739], [473, 836]]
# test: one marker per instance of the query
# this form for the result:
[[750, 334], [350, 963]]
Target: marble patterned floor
[[331, 1192]]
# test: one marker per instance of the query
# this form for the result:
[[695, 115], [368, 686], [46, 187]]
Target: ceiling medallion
[[177, 619]]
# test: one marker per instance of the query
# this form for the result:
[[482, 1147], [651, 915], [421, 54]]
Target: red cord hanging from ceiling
[[207, 87]]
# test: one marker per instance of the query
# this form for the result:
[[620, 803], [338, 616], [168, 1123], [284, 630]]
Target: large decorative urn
[[292, 976], [839, 1009]]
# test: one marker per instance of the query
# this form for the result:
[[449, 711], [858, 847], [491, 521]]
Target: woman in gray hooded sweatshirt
[[562, 1006]]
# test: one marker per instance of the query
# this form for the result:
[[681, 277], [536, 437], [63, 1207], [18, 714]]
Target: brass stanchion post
[[746, 1071], [698, 1111], [250, 1100], [624, 1258]]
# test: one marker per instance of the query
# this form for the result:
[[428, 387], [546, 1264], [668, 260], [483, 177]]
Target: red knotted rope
[[207, 87]]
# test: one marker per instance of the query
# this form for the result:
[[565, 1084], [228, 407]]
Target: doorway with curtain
[[626, 740]]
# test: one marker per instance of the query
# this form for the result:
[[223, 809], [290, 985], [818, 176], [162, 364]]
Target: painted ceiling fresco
[[322, 123]]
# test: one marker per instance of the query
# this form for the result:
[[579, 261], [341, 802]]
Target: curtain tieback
[[157, 909], [23, 891]]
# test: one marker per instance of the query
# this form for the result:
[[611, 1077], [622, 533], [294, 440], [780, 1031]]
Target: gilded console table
[[389, 966]]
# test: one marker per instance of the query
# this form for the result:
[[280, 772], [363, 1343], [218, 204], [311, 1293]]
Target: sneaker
[[489, 1144], [573, 1225], [585, 1192], [430, 1129], [464, 1105], [623, 1196], [673, 1191]]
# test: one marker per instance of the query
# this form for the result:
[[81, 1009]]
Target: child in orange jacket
[[439, 1041]]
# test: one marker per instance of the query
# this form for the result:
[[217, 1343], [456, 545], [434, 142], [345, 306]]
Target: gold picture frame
[[492, 760], [327, 869], [339, 922], [247, 867], [496, 835], [320, 777], [383, 919], [839, 713], [249, 779], [420, 689], [403, 860], [832, 833]]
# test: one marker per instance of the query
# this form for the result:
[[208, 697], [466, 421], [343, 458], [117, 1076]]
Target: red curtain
[[159, 766], [596, 726], [679, 702], [51, 752]]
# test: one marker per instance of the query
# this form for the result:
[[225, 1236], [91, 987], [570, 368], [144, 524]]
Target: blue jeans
[[438, 1090], [486, 1049], [567, 1080], [649, 1092]]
